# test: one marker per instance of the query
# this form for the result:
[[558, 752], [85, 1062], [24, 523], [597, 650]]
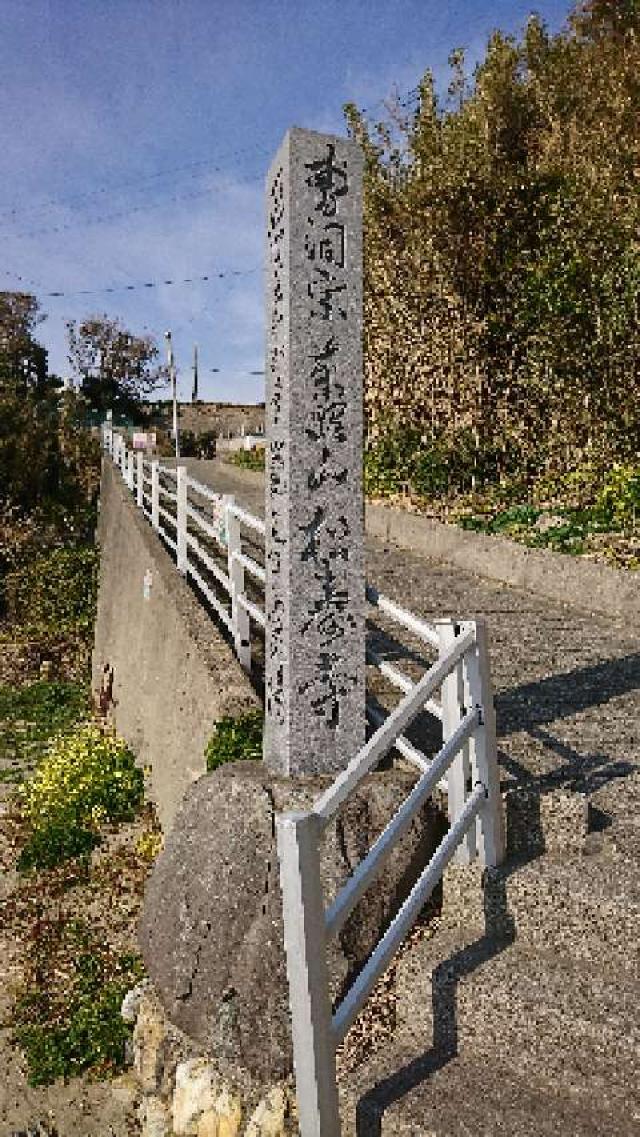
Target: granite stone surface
[[315, 654]]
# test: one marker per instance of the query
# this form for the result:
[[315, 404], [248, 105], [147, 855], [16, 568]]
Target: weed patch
[[234, 739], [86, 778], [248, 459], [31, 715], [67, 1017], [55, 593]]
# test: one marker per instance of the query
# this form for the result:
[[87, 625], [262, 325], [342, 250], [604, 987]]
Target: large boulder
[[211, 928]]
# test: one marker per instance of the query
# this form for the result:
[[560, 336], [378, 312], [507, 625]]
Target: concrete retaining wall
[[173, 673], [583, 584]]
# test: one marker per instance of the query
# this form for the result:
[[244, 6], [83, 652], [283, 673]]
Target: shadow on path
[[499, 934], [530, 709]]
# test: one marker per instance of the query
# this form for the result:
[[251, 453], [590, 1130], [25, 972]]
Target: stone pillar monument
[[315, 606]]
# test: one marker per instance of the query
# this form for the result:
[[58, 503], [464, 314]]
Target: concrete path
[[567, 685], [531, 1028]]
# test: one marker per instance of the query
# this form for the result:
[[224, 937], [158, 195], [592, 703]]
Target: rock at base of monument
[[211, 928]]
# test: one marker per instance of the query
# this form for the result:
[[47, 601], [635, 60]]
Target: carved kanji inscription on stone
[[315, 660]]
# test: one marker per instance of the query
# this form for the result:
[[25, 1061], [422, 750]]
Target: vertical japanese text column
[[315, 655]]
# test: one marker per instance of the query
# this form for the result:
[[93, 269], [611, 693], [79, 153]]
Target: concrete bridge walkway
[[520, 1014]]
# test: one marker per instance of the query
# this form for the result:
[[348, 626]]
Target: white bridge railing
[[468, 760], [207, 532]]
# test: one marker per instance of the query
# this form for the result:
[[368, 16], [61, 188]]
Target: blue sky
[[135, 136]]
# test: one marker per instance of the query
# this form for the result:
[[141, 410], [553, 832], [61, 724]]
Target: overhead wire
[[210, 163], [129, 211], [147, 284]]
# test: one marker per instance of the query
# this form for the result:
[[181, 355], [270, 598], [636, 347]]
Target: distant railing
[[468, 760], [204, 531]]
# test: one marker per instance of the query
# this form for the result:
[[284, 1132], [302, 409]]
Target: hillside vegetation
[[502, 274]]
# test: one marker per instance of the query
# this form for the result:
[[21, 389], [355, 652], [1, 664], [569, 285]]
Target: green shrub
[[30, 715], [235, 738], [87, 777], [43, 708], [429, 473], [55, 593], [575, 489], [389, 461], [67, 1028], [619, 498], [249, 459]]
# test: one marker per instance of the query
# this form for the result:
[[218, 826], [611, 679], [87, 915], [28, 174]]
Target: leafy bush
[[249, 459], [149, 844], [430, 473], [56, 592], [43, 708], [389, 461], [65, 1028], [619, 498], [235, 738], [86, 778]]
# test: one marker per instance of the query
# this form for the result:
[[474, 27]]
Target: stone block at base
[[211, 930]]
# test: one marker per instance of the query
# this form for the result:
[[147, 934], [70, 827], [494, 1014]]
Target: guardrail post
[[130, 469], [298, 836], [139, 479], [155, 495], [181, 518], [239, 615], [459, 777], [485, 758]]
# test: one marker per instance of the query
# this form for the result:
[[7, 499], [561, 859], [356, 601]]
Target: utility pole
[[174, 391], [194, 393]]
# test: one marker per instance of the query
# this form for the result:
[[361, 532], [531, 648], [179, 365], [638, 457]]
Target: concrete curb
[[582, 584]]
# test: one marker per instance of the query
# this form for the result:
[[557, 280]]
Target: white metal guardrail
[[205, 531], [160, 492], [209, 550], [462, 671]]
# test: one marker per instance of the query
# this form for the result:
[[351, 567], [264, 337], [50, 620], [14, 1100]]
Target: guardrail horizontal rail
[[413, 623], [368, 868], [403, 746], [248, 519], [214, 569], [206, 527], [380, 958], [253, 610], [251, 566], [200, 488], [384, 738], [399, 679], [211, 597], [170, 517]]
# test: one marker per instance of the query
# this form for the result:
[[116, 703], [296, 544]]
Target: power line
[[147, 284], [144, 208], [210, 163], [22, 279]]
